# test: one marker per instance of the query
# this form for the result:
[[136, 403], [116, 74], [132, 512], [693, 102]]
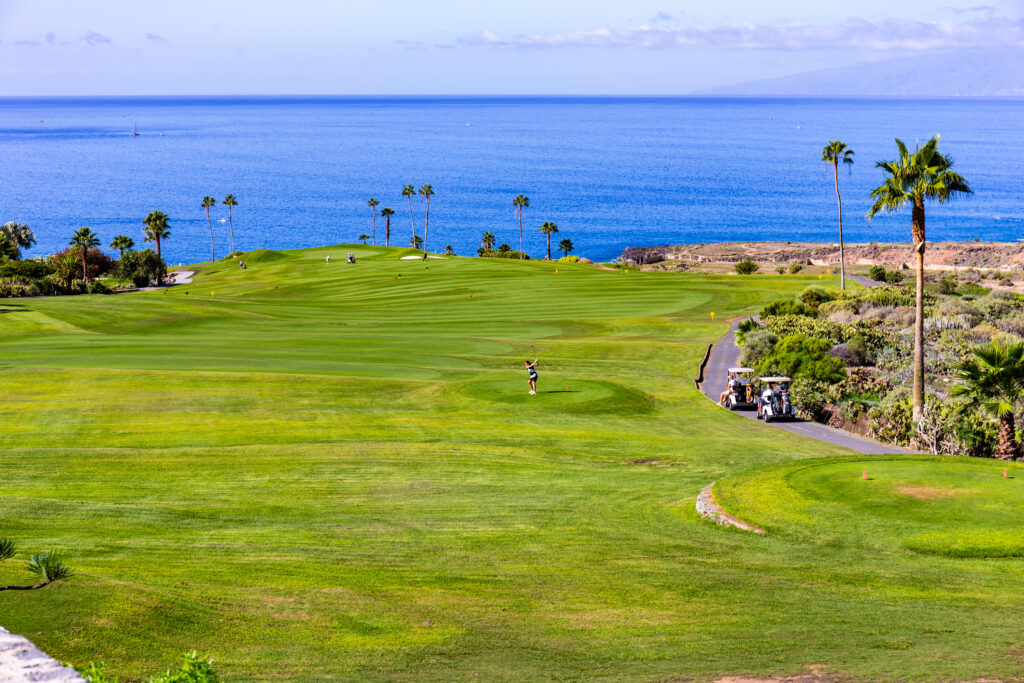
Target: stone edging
[[23, 662], [709, 509]]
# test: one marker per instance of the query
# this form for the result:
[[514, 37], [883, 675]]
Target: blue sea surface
[[610, 172]]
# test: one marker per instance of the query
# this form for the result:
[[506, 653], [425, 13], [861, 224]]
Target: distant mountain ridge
[[966, 73]]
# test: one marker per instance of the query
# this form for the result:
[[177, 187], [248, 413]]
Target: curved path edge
[[708, 508], [23, 662]]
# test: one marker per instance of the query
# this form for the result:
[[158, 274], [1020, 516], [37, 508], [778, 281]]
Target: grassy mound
[[557, 392], [264, 256], [937, 505]]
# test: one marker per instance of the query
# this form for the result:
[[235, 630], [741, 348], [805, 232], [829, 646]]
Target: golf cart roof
[[776, 379], [744, 371]]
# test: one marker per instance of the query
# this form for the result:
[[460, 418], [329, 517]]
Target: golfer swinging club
[[532, 369]]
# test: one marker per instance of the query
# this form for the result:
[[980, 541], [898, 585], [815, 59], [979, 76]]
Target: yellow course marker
[[712, 315]]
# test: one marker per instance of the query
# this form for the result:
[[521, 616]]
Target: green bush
[[569, 259], [877, 273], [747, 267], [144, 267], [97, 287], [894, 277], [796, 268], [788, 307], [815, 296], [25, 270], [759, 343], [192, 670], [829, 307], [801, 356]]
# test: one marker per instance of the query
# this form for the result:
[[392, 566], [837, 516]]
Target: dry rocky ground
[[939, 255]]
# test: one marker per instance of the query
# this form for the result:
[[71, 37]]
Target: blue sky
[[117, 47]]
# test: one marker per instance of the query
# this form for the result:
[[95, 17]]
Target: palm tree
[[993, 381], [408, 193], [20, 236], [547, 229], [122, 243], [449, 250], [230, 202], [488, 240], [157, 228], [417, 242], [386, 213], [85, 239], [520, 202], [565, 246], [209, 201], [912, 179], [373, 210], [362, 238], [834, 153], [426, 191]]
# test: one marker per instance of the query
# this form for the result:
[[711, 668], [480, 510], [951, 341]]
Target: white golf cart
[[743, 393], [773, 402]]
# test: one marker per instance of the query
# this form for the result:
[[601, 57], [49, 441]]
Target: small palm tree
[[157, 229], [417, 242], [408, 192], [84, 239], [565, 246], [449, 250], [209, 201], [372, 203], [993, 381], [426, 191], [20, 236], [912, 179], [549, 228], [520, 202], [386, 213], [48, 566], [362, 238], [488, 240], [231, 202], [834, 153], [122, 243]]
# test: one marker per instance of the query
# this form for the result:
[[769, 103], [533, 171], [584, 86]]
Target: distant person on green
[[532, 369]]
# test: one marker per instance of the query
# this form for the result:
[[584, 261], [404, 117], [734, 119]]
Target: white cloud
[[851, 33], [94, 38]]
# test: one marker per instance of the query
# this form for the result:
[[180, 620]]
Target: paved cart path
[[726, 354]]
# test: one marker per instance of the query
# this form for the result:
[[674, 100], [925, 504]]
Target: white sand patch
[[419, 258]]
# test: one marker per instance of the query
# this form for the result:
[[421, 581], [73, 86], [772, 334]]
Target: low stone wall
[[709, 509], [23, 662]]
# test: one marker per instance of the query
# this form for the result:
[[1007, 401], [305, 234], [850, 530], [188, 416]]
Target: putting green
[[572, 394], [934, 505]]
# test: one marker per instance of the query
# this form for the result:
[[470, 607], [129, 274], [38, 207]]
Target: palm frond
[[48, 566], [7, 548]]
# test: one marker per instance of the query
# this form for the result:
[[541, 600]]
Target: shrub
[[877, 273], [504, 248], [759, 343], [947, 285], [747, 267], [796, 268], [815, 296], [894, 277], [893, 296], [892, 420], [801, 356], [847, 305], [25, 270], [572, 258], [97, 287], [143, 267], [788, 307]]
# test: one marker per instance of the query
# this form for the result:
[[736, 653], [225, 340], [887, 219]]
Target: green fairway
[[314, 471]]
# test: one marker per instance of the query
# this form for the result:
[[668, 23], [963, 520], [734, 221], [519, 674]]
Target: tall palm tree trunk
[[85, 270], [374, 230], [919, 247], [549, 246], [231, 229], [412, 220], [520, 233], [213, 257], [426, 225], [387, 233], [1008, 448], [842, 247]]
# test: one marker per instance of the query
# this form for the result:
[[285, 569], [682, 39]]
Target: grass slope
[[317, 471]]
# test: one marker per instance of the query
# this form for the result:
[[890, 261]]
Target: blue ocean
[[610, 172]]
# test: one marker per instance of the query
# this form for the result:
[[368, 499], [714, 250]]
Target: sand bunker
[[418, 258]]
